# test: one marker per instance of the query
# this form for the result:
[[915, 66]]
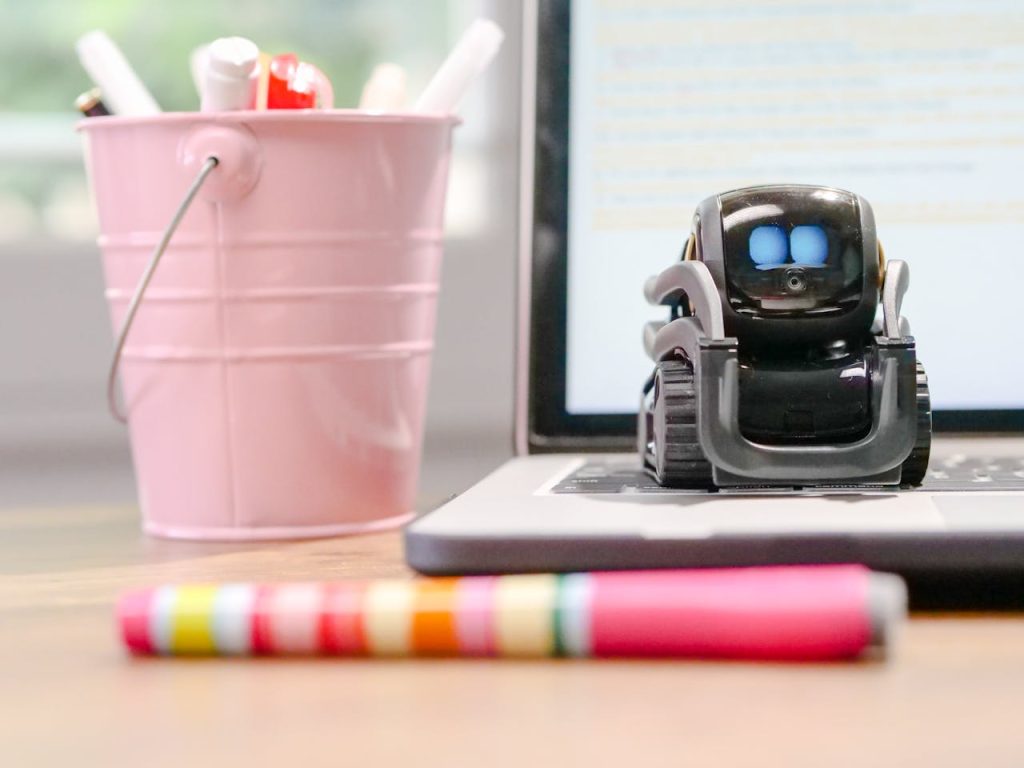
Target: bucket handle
[[133, 307]]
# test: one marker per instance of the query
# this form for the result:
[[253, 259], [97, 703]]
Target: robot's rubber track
[[683, 464], [916, 466]]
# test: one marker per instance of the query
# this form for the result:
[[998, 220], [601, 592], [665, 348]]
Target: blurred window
[[43, 195]]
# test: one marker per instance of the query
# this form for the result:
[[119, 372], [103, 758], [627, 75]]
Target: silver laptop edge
[[527, 128]]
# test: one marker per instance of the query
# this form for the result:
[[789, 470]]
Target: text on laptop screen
[[917, 106]]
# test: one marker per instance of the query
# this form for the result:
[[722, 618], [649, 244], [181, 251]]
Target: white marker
[[471, 55], [385, 90], [231, 76], [197, 67], [123, 91]]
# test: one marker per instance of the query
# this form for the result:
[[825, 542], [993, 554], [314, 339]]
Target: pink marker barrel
[[805, 612]]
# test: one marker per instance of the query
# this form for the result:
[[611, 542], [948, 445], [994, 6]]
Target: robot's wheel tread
[[682, 461], [916, 466]]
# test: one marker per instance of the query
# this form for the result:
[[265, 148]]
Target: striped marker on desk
[[792, 613]]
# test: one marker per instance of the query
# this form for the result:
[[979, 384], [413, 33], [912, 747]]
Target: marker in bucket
[[197, 67], [385, 90], [294, 84], [230, 75], [476, 48], [109, 69], [800, 613], [263, 84], [91, 104]]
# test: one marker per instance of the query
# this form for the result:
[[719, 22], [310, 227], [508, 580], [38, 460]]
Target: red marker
[[294, 84]]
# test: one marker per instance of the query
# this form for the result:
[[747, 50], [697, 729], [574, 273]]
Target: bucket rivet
[[237, 152]]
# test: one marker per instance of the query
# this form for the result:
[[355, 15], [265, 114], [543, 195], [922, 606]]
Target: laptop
[[632, 113]]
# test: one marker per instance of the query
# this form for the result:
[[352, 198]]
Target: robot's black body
[[772, 370], [821, 396]]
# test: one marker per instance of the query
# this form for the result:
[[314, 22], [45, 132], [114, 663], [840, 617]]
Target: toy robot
[[772, 370]]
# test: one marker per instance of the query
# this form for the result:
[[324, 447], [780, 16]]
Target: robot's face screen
[[792, 249]]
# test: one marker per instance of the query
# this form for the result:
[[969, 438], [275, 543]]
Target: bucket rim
[[353, 116]]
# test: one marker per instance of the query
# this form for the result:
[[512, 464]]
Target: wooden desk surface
[[952, 695]]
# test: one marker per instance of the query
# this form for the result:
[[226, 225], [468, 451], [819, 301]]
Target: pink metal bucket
[[275, 377]]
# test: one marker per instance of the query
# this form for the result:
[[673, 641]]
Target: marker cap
[[233, 57]]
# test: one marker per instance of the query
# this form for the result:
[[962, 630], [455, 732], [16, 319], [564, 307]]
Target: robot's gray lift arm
[[684, 280], [894, 288]]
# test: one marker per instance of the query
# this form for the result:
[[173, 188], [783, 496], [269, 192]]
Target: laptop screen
[[916, 105]]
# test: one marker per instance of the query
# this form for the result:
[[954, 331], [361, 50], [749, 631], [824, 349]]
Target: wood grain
[[951, 695]]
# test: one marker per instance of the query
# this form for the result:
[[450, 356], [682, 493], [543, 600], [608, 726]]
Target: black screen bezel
[[551, 427]]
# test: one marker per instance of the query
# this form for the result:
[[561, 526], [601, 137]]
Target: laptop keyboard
[[952, 473]]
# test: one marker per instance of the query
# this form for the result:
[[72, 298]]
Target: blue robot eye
[[768, 246], [809, 245]]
